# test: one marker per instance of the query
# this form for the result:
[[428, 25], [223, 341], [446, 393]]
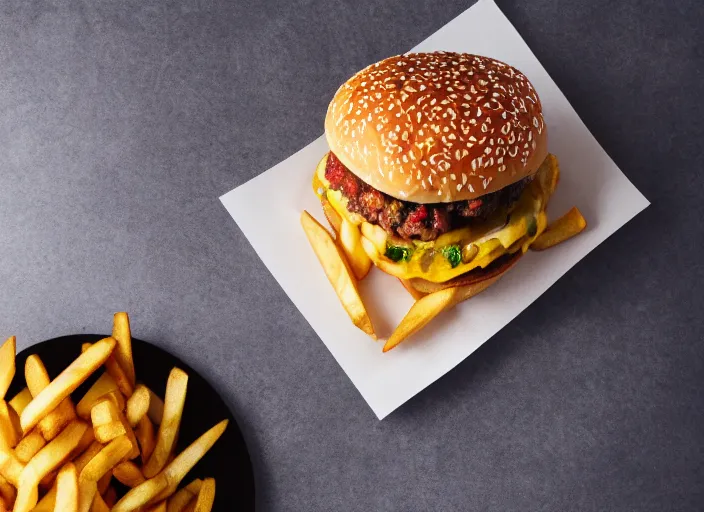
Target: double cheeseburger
[[440, 160]]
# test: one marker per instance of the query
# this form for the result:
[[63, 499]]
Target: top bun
[[438, 127]]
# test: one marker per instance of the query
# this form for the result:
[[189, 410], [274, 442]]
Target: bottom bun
[[492, 272]]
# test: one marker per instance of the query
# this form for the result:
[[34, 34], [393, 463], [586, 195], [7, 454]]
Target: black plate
[[228, 461]]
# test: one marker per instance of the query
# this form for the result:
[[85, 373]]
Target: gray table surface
[[122, 122]]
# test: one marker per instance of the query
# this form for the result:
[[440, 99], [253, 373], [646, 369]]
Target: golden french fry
[[181, 498], [430, 306], [206, 496], [570, 224], [67, 489], [99, 504], [156, 407], [335, 267], [3, 506], [7, 364], [110, 496], [104, 483], [145, 436], [20, 400], [104, 385], [184, 462], [141, 495], [548, 175], [99, 466], [416, 294], [85, 442], [165, 483], [29, 446], [137, 405], [109, 431], [159, 507], [123, 352], [119, 375], [128, 473], [10, 431], [104, 416], [350, 241], [104, 412], [331, 214], [46, 504], [67, 382], [7, 492], [48, 459], [10, 466], [37, 379], [175, 398], [84, 458]]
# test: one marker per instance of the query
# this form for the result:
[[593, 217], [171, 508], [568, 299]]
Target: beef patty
[[410, 220]]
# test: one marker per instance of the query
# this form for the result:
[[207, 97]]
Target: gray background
[[122, 122]]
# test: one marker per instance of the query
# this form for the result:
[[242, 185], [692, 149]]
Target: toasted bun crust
[[492, 273], [438, 127]]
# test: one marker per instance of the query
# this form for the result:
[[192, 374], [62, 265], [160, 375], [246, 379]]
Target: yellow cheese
[[493, 238]]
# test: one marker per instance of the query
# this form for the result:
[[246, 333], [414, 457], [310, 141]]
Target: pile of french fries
[[57, 456], [343, 258]]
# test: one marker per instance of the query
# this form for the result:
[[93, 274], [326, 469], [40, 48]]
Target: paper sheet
[[589, 180]]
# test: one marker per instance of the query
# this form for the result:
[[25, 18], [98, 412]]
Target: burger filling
[[413, 221], [438, 242]]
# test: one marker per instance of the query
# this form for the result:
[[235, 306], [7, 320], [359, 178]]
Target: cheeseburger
[[434, 156]]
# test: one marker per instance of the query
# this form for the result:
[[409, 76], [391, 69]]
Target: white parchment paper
[[589, 180]]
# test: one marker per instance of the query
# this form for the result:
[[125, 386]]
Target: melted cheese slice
[[493, 238]]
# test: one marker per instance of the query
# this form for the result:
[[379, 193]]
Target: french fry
[[108, 421], [7, 492], [110, 496], [84, 458], [67, 489], [99, 466], [104, 385], [159, 507], [570, 224], [10, 432], [104, 483], [85, 442], [48, 459], [109, 431], [37, 379], [331, 214], [21, 400], [67, 382], [99, 504], [123, 352], [104, 412], [29, 446], [10, 467], [350, 241], [174, 401], [156, 408], [184, 462], [120, 376], [3, 506], [181, 498], [165, 483], [142, 494], [430, 306], [206, 496], [335, 267], [145, 436], [128, 473], [7, 364], [137, 405]]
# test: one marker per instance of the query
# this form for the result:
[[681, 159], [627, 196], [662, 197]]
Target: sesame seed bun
[[438, 127]]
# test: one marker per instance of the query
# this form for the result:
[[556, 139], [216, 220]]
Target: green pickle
[[398, 252], [453, 254]]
